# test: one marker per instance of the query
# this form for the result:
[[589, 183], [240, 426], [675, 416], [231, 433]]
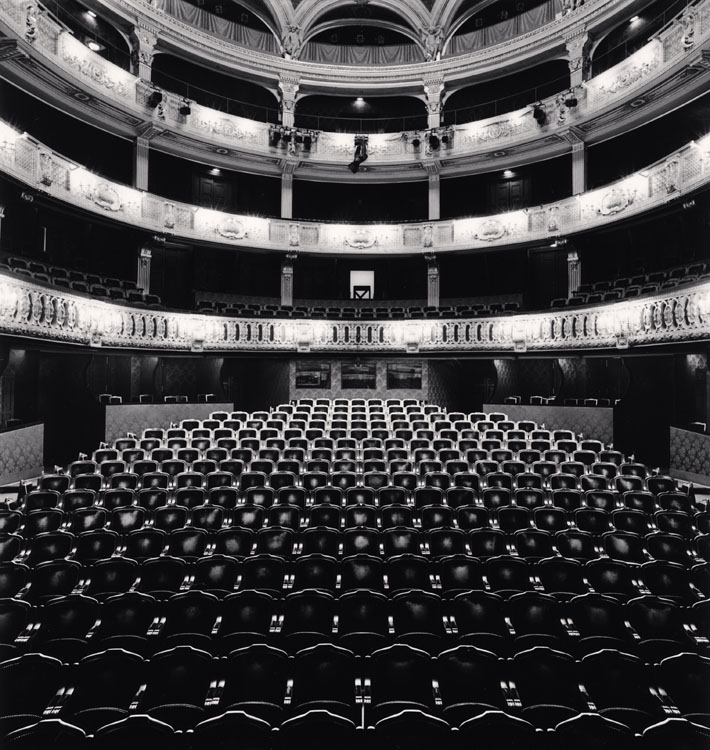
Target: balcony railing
[[32, 163], [681, 40], [679, 315]]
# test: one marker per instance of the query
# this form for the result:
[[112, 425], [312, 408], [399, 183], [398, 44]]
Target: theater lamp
[[360, 153], [571, 100], [154, 99], [184, 109], [539, 115], [434, 141]]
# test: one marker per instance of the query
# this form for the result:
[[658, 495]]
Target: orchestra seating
[[355, 573]]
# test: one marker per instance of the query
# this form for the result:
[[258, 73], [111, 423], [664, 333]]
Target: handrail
[[677, 315], [41, 169]]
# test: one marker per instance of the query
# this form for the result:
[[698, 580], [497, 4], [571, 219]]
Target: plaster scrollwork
[[490, 230], [361, 239], [104, 196], [293, 235], [232, 229], [32, 11], [616, 201]]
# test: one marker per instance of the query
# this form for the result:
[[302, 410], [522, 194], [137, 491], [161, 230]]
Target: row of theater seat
[[337, 603], [399, 697], [242, 310], [118, 290], [626, 288]]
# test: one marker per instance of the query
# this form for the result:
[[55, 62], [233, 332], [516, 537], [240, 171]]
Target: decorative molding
[[35, 311]]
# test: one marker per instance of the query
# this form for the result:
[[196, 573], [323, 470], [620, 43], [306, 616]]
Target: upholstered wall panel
[[135, 418], [592, 422], [690, 455], [21, 453]]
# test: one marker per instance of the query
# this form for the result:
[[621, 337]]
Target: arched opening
[[506, 94], [356, 114]]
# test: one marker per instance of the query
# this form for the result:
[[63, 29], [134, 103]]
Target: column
[[2, 216], [288, 87], [577, 43], [579, 167], [287, 280], [574, 272], [141, 160], [144, 43], [434, 93], [287, 170], [432, 281], [143, 275], [434, 196]]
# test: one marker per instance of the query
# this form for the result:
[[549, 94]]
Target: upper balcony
[[671, 69], [37, 167]]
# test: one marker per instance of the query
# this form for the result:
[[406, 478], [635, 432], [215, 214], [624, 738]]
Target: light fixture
[[434, 142], [307, 142], [416, 142], [571, 100], [274, 137], [154, 99], [539, 115], [508, 173], [215, 171], [91, 14], [359, 100], [634, 19], [360, 154], [93, 46], [184, 109]]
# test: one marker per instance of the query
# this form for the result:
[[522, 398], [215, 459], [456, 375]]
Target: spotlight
[[286, 136], [274, 137], [571, 100], [445, 139], [184, 109], [539, 115], [434, 142], [155, 99], [360, 154], [416, 142], [307, 142]]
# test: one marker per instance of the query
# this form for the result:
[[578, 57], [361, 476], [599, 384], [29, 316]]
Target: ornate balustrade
[[679, 44], [30, 310], [40, 168]]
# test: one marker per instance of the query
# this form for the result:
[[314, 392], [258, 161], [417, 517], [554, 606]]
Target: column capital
[[146, 253], [288, 167], [574, 136], [432, 168], [145, 40], [577, 43]]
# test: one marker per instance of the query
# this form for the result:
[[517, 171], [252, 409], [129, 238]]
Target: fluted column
[[432, 281], [287, 266], [574, 272], [143, 276]]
